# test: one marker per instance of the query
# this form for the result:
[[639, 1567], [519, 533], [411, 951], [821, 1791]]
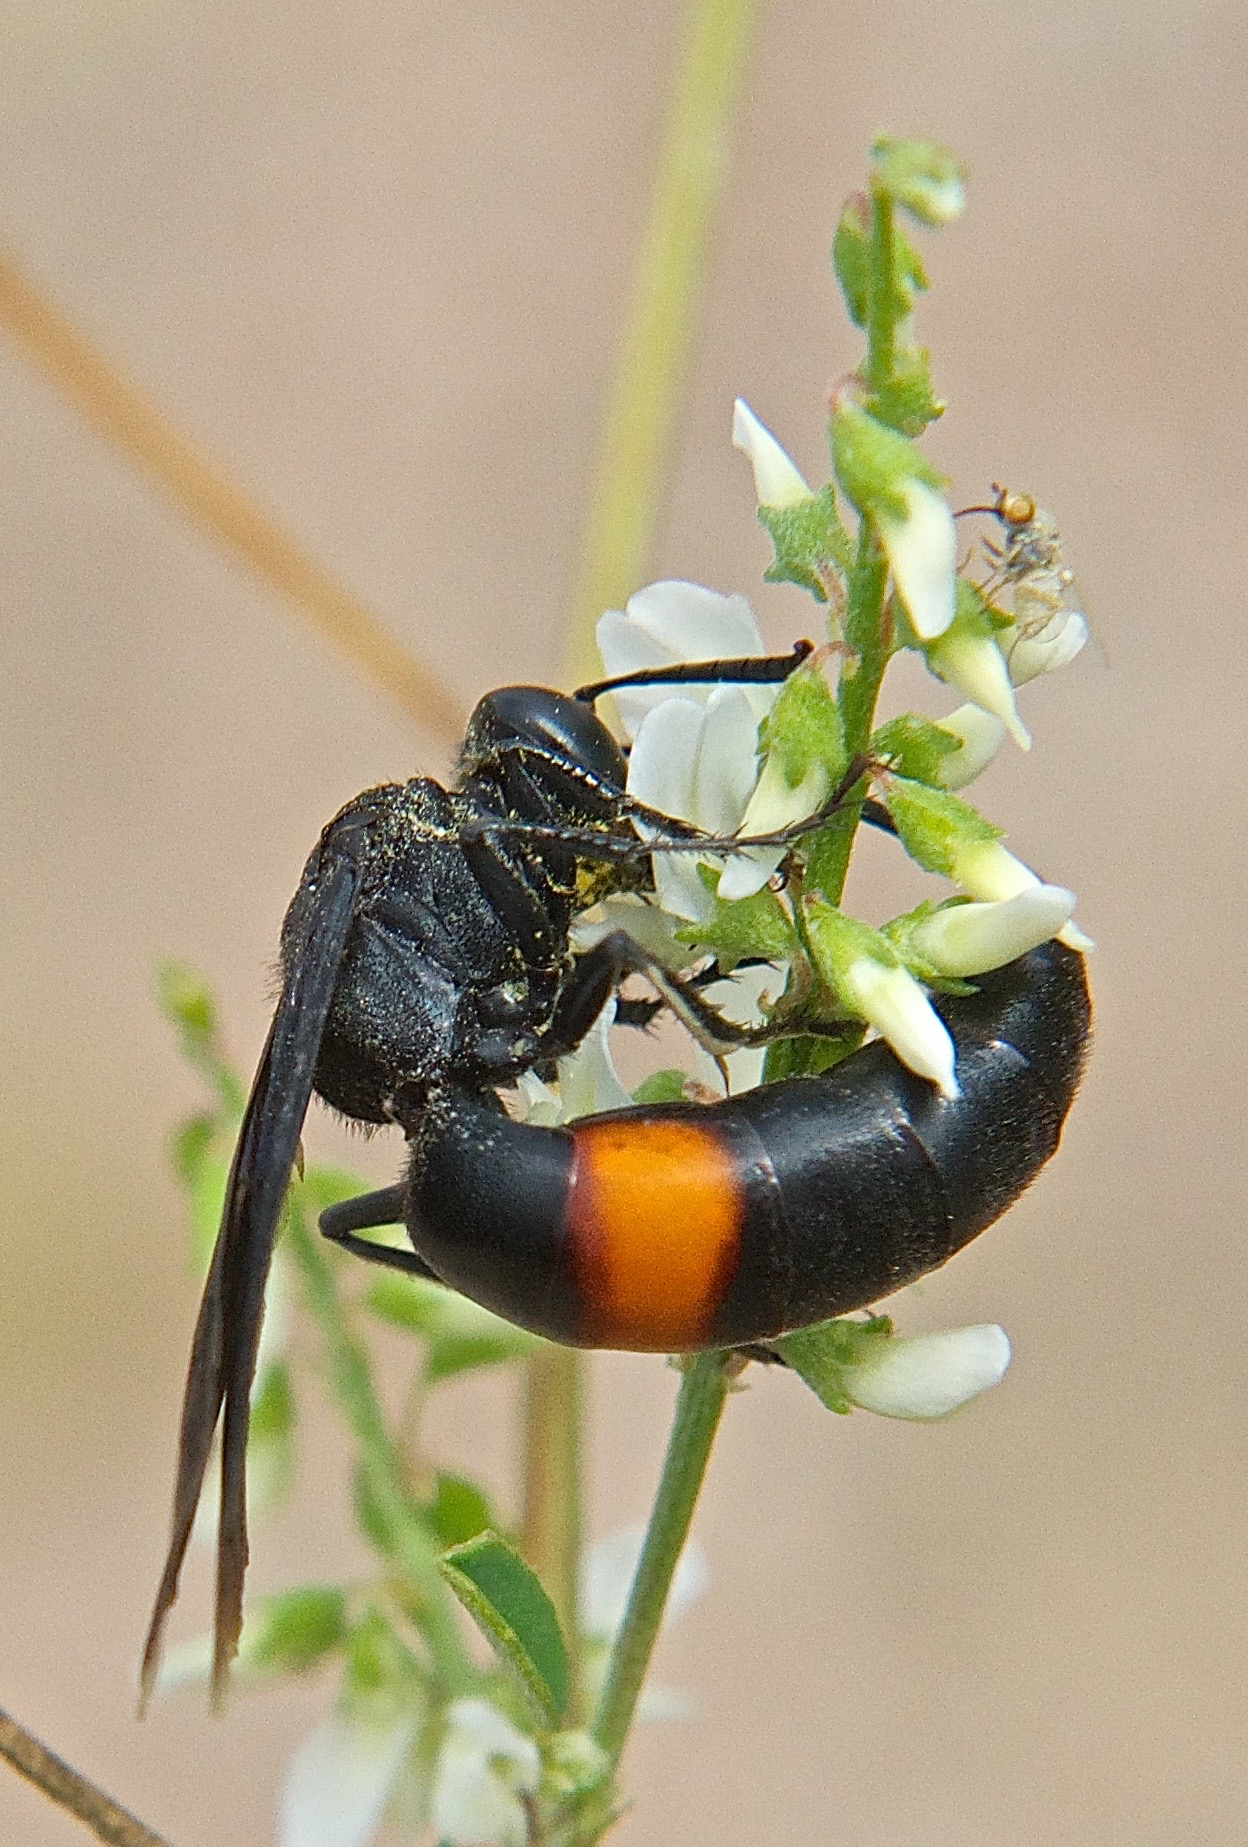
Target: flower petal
[[929, 1375], [981, 734], [670, 622], [895, 1004], [970, 939], [775, 804], [922, 552], [588, 1082], [340, 1780], [1032, 650], [976, 666], [484, 1766], [778, 481]]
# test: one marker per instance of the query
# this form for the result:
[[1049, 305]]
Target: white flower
[[989, 871], [670, 622], [588, 1081], [922, 552], [1040, 645], [775, 804], [928, 1376], [695, 761], [970, 939], [980, 736], [340, 1780], [485, 1766], [777, 480], [976, 666], [892, 1001], [694, 751]]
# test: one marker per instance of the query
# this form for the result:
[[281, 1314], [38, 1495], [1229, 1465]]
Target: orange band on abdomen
[[654, 1217]]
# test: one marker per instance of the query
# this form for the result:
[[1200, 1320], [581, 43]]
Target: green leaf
[[507, 1602], [272, 1405], [873, 461], [851, 262], [186, 1000], [914, 747], [329, 1186], [207, 1199], [810, 543], [661, 1087], [838, 940], [851, 257], [906, 402], [818, 1354], [292, 1632], [458, 1511], [804, 728], [755, 926], [933, 825], [382, 1673]]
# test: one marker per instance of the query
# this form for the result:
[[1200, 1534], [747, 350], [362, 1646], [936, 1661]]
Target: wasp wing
[[227, 1333]]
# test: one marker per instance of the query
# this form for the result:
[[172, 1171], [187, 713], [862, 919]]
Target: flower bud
[[960, 940], [928, 180], [989, 871], [777, 480], [971, 660], [928, 1376], [891, 485], [980, 734], [1032, 651], [922, 554], [892, 1001]]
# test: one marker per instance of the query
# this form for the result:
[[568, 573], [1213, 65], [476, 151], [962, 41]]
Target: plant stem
[[882, 302], [70, 1790], [636, 438], [703, 1390], [381, 1468], [550, 1535]]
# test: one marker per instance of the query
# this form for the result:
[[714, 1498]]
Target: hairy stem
[[70, 1790], [703, 1390]]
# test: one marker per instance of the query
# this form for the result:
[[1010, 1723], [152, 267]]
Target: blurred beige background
[[373, 256]]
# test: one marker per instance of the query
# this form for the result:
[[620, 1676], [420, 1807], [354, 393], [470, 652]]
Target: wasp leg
[[602, 969], [339, 1224], [670, 834]]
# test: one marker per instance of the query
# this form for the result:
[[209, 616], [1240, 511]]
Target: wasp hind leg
[[366, 1212]]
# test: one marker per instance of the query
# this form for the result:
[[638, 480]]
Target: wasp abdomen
[[679, 1226]]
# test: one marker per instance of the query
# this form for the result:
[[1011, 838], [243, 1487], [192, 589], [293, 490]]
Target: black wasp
[[426, 962]]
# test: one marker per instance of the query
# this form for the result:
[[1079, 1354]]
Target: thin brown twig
[[201, 491], [70, 1790]]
